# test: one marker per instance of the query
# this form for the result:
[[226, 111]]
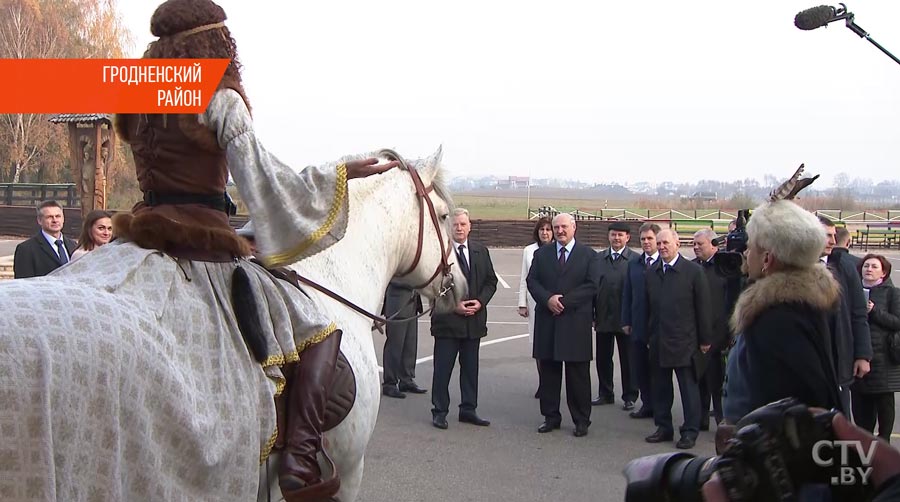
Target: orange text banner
[[108, 85]]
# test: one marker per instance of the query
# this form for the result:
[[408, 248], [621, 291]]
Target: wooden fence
[[32, 194]]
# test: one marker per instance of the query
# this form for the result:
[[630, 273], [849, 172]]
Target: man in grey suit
[[613, 268], [399, 358], [49, 249], [680, 330], [563, 281]]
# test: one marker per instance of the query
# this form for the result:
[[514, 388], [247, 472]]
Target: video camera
[[728, 263], [772, 455]]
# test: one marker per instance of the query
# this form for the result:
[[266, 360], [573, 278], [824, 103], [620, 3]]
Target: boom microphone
[[815, 17]]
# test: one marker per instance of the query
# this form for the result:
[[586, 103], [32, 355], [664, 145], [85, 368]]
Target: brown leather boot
[[300, 477]]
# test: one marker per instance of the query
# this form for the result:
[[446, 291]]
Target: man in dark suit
[[720, 309], [850, 337], [399, 358], [49, 249], [634, 316], [608, 318], [460, 332], [680, 331], [841, 250], [563, 281]]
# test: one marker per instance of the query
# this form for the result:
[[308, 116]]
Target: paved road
[[409, 460]]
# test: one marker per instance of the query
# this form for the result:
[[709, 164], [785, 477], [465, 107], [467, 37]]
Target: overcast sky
[[596, 91]]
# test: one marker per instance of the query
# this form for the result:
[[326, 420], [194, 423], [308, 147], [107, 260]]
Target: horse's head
[[430, 266]]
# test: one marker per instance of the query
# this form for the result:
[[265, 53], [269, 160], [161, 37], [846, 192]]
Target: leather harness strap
[[443, 268]]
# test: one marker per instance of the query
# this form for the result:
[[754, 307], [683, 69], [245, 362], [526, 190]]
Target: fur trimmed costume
[[783, 345]]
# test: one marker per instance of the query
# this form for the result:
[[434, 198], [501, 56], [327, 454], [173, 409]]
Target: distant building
[[702, 196], [513, 183]]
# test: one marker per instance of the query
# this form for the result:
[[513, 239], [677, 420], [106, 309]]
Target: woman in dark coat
[[782, 347], [873, 396]]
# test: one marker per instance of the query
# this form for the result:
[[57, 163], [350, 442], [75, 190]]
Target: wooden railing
[[32, 194]]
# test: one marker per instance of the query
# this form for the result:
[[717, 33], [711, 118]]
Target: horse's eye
[[444, 217]]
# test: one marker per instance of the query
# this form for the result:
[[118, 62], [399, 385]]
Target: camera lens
[[667, 476]]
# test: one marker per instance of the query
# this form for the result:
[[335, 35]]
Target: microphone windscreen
[[815, 17]]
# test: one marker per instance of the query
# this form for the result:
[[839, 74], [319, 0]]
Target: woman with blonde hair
[[783, 343]]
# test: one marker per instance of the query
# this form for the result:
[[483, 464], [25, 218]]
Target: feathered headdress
[[790, 188]]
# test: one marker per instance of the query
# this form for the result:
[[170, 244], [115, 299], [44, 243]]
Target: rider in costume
[[182, 164]]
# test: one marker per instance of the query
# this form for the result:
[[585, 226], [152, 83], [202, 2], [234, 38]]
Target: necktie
[[61, 250], [562, 257], [666, 268], [615, 256], [463, 262], [649, 261]]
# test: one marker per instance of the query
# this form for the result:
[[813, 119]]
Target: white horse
[[64, 336], [376, 248]]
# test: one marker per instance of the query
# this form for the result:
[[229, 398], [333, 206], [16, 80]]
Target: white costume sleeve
[[294, 215]]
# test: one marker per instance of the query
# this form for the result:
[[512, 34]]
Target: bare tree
[[43, 29]]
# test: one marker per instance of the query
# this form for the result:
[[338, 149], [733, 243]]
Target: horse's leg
[[351, 478]]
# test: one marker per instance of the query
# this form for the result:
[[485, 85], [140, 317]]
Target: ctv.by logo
[[847, 475]]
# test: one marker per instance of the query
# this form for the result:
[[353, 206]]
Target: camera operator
[[782, 347], [885, 464]]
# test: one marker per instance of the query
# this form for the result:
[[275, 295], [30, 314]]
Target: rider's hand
[[523, 311], [367, 167]]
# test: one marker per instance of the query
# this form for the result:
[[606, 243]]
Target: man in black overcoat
[[720, 308], [563, 281], [680, 330], [608, 319]]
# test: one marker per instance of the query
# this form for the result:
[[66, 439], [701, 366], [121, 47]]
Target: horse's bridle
[[443, 267]]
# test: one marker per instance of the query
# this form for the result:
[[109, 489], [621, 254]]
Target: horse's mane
[[439, 182]]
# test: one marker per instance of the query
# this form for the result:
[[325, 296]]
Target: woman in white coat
[[543, 234]]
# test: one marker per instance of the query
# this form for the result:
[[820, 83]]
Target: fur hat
[[791, 233]]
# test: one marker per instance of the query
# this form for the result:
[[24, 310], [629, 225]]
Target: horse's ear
[[432, 165]]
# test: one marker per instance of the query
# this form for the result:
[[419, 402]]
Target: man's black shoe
[[474, 419], [600, 401], [641, 413], [393, 391], [685, 443], [548, 426], [439, 422], [581, 430], [659, 436], [412, 388], [628, 405]]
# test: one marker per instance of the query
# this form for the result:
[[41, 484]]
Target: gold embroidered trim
[[267, 448], [294, 356], [340, 193]]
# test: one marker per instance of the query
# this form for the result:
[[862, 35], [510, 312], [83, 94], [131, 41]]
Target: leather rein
[[443, 268]]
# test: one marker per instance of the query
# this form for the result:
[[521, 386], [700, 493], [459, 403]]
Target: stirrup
[[323, 491]]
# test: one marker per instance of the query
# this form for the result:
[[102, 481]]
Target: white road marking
[[483, 344], [505, 285]]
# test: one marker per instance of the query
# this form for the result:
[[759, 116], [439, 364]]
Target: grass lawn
[[488, 207]]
